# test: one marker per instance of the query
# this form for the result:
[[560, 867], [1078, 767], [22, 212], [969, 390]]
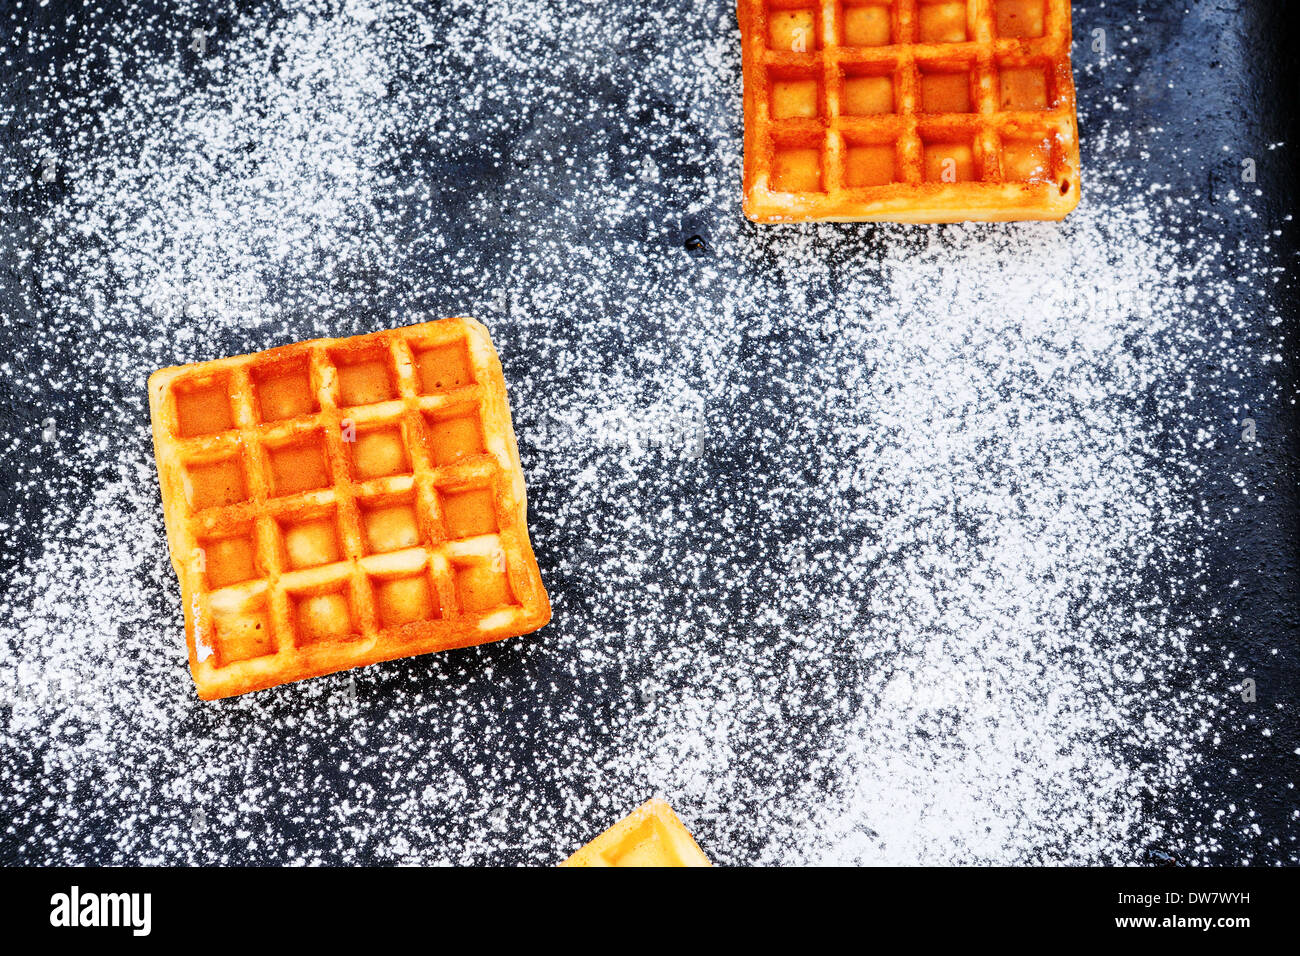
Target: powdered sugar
[[874, 544]]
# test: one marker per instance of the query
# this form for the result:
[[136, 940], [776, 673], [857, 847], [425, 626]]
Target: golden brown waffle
[[908, 110], [343, 501], [651, 835]]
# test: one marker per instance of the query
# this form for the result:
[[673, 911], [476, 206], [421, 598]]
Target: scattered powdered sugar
[[866, 544]]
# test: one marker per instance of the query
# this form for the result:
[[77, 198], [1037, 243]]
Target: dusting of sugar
[[876, 544]]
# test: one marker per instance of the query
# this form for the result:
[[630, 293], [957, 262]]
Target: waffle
[[908, 110], [343, 501], [651, 835]]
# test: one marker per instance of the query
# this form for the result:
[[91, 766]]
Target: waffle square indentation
[[1019, 18], [283, 390], [469, 512], [311, 542], [404, 600], [203, 408], [389, 525], [868, 24], [797, 169], [867, 95], [941, 21], [229, 560], [870, 164], [796, 97], [323, 617], [365, 378], [454, 437], [378, 453], [949, 162], [216, 484], [1022, 88], [243, 634], [1026, 160], [443, 367], [792, 30], [945, 91], [298, 465], [482, 585]]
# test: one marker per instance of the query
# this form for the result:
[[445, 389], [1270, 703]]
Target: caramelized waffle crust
[[339, 502], [908, 110], [651, 835]]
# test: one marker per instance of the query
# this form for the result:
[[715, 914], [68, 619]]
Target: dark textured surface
[[1186, 83]]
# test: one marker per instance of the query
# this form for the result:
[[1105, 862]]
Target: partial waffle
[[908, 110], [343, 501], [651, 835]]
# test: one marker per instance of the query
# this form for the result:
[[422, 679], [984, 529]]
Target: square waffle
[[651, 835], [339, 502], [908, 110]]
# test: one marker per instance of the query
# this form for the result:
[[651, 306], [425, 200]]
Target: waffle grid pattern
[[344, 501], [908, 110]]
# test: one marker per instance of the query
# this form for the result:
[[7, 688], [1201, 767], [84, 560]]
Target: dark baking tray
[[1187, 78]]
